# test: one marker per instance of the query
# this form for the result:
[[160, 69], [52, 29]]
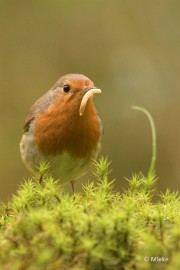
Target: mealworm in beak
[[86, 97]]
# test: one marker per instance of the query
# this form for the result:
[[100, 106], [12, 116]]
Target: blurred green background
[[130, 49]]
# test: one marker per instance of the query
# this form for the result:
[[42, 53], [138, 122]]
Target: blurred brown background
[[130, 49]]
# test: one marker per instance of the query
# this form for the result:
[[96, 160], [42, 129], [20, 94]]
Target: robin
[[63, 129]]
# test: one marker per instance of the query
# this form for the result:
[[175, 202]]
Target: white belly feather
[[63, 166]]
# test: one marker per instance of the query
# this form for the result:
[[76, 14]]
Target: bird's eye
[[66, 88]]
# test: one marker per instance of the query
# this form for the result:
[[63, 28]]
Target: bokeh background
[[130, 49]]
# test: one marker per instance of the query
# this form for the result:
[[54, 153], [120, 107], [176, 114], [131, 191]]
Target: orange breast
[[62, 129]]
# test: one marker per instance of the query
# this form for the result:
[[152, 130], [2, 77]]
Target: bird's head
[[75, 92]]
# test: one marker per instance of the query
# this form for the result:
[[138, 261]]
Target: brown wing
[[28, 120], [39, 106]]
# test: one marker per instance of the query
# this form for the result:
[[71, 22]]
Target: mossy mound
[[44, 228]]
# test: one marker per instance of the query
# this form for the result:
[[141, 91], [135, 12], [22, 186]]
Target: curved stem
[[154, 144]]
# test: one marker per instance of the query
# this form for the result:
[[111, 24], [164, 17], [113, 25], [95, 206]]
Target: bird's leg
[[40, 178], [72, 185]]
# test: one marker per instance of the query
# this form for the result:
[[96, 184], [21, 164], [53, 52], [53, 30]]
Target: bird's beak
[[89, 93]]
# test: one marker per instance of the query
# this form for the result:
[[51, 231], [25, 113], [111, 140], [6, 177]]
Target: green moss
[[42, 227]]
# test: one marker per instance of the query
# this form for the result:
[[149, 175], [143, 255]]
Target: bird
[[63, 129]]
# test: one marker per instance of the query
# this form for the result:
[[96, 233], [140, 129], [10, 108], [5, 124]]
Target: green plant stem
[[151, 170]]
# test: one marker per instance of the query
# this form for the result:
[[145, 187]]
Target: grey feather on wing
[[40, 106]]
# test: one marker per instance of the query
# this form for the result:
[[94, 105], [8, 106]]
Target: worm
[[86, 97]]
